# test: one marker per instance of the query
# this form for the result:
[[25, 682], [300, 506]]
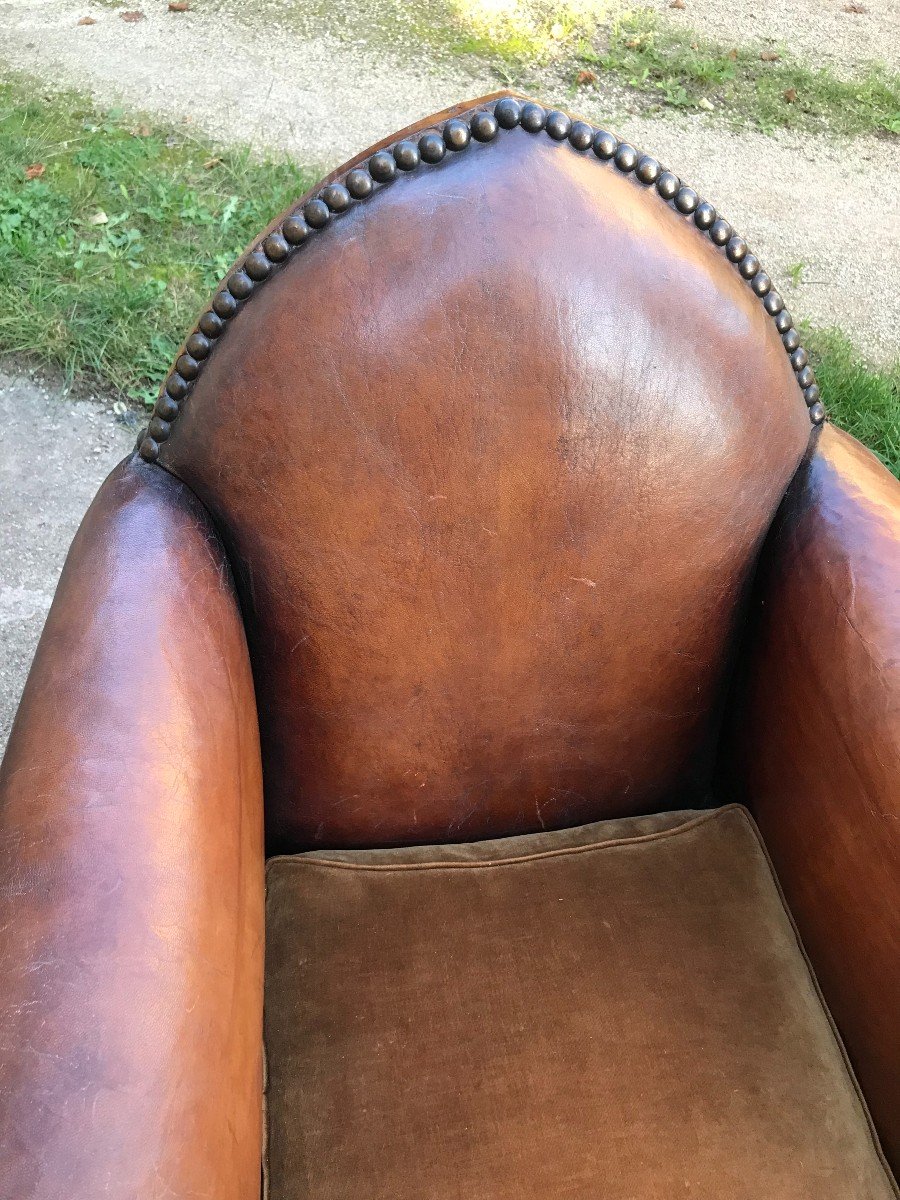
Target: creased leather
[[131, 892], [492, 458], [815, 743]]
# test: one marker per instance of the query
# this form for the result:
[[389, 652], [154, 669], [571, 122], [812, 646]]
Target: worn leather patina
[[131, 859], [493, 458], [456, 527], [815, 748]]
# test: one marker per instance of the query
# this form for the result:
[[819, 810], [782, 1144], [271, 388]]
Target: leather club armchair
[[488, 579]]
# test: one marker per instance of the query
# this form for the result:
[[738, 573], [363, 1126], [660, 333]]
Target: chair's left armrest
[[814, 747], [131, 872]]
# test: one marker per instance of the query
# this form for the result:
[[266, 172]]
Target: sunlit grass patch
[[765, 88], [114, 231], [864, 401], [525, 31], [593, 41]]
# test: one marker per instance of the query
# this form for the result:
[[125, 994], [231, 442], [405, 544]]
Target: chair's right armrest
[[131, 872], [815, 743]]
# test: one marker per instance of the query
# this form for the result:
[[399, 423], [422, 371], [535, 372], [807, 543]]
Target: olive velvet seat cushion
[[616, 1012]]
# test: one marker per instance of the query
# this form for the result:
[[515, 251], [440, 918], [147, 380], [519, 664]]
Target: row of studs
[[385, 165]]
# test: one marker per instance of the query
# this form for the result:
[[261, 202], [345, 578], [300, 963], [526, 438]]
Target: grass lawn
[[545, 46], [759, 87], [667, 67], [114, 232], [864, 402], [109, 249]]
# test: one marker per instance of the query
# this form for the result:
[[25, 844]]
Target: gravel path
[[318, 97], [54, 454], [834, 208], [821, 33], [831, 206]]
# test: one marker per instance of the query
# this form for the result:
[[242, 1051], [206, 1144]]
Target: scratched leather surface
[[815, 743], [131, 890], [492, 458]]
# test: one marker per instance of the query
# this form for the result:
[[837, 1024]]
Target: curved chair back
[[493, 424]]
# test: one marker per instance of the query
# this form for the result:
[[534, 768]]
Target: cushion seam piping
[[301, 860], [839, 1041]]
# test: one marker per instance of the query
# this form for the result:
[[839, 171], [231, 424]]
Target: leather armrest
[[816, 743], [131, 872]]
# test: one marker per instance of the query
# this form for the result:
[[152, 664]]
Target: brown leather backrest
[[492, 449]]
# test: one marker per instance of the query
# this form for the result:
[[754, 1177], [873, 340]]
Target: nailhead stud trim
[[276, 248], [648, 169], [176, 387], [604, 145], [295, 230], [431, 148], [166, 408], [773, 304], [508, 112], [382, 167], [211, 323], [359, 183], [581, 135], [686, 200], [626, 158], [240, 285], [336, 197], [257, 266], [720, 233], [667, 185], [197, 345], [317, 212], [558, 125], [484, 127], [457, 135], [533, 118], [405, 156]]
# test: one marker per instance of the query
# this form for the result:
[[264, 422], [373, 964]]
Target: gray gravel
[[831, 206], [54, 453], [821, 33], [319, 97]]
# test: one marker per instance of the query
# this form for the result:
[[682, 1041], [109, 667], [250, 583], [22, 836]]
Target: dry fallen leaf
[[769, 55], [790, 95], [677, 4], [141, 131], [583, 78], [210, 163], [732, 54], [179, 6], [131, 17], [633, 44], [87, 21], [854, 7], [35, 171], [99, 218]]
